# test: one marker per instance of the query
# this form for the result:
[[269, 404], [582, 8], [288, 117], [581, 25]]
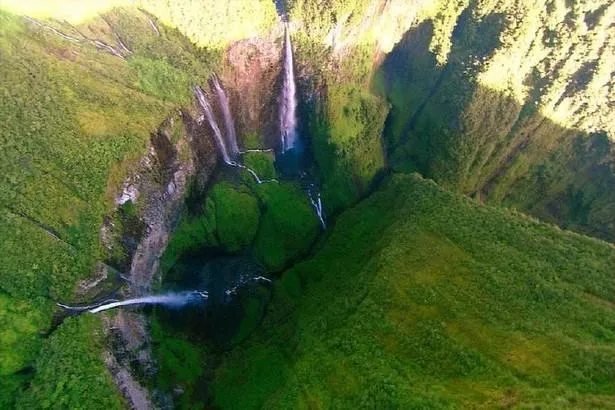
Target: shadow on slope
[[477, 141]]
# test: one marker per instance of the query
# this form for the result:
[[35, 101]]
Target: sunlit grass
[[73, 11]]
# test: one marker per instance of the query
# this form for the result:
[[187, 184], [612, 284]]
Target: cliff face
[[507, 101], [82, 108], [251, 73]]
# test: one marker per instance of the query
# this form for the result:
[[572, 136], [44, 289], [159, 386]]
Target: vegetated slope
[[509, 101], [512, 122], [420, 298], [78, 106]]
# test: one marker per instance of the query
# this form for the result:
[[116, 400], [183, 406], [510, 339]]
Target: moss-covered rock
[[237, 215], [288, 225], [261, 163], [194, 232], [346, 127]]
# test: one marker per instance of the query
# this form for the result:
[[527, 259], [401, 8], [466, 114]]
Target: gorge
[[307, 204]]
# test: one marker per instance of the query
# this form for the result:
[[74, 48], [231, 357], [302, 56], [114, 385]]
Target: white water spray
[[202, 99], [173, 300], [255, 150], [228, 118], [242, 282], [288, 115]]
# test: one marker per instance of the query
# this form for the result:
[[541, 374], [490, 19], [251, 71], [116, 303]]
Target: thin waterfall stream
[[202, 99], [174, 300], [228, 158], [228, 118]]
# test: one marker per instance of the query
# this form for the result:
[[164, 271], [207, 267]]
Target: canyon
[[345, 180]]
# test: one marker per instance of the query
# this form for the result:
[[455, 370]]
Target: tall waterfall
[[288, 114], [229, 159], [200, 95], [228, 118]]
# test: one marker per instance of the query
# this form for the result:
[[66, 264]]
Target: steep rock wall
[[507, 101]]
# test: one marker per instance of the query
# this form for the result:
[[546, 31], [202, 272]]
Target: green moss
[[252, 140], [182, 364], [253, 306], [193, 232], [288, 225], [347, 145], [237, 215], [261, 163], [228, 219]]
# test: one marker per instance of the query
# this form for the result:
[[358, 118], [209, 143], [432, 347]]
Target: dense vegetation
[[70, 370], [74, 119], [481, 95], [420, 298], [478, 140], [272, 220]]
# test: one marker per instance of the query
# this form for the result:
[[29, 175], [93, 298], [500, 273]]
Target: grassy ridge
[[215, 24], [422, 299]]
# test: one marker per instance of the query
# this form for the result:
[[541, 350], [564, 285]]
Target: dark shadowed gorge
[[307, 204]]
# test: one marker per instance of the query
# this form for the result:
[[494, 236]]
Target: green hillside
[[419, 298], [75, 120], [460, 151]]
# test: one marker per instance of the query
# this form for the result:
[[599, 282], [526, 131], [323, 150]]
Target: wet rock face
[[251, 75]]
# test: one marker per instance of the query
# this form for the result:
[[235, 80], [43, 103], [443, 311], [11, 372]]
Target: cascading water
[[228, 118], [288, 119], [288, 114], [209, 114], [316, 201], [202, 99], [173, 300]]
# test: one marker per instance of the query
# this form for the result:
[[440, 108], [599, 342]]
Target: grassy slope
[[212, 23], [422, 299], [61, 381], [73, 120]]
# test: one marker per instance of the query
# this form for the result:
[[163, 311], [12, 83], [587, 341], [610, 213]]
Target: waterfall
[[202, 98], [228, 118], [173, 300], [288, 115], [314, 196], [200, 95]]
